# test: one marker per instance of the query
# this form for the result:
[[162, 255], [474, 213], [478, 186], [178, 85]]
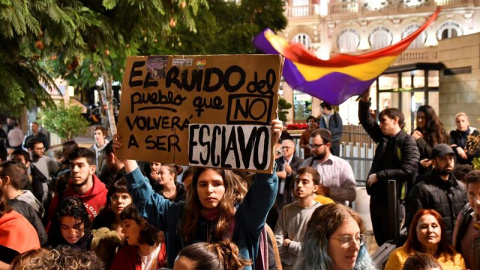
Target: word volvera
[[156, 122], [229, 146], [210, 79]]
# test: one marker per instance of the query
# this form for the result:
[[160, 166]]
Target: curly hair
[[413, 244], [434, 132], [36, 259], [148, 233], [71, 258], [219, 256], [226, 207], [70, 207], [63, 258]]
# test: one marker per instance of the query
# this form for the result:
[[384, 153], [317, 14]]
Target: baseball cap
[[441, 150]]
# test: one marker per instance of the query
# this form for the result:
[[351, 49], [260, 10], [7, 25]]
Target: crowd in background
[[93, 210]]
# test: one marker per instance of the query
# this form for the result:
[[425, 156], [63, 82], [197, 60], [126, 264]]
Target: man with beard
[[439, 189], [396, 157], [337, 179], [83, 184], [47, 167]]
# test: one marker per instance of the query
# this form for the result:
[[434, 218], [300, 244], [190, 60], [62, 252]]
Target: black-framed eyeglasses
[[347, 240], [315, 146]]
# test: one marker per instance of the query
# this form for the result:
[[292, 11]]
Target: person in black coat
[[439, 190], [396, 157]]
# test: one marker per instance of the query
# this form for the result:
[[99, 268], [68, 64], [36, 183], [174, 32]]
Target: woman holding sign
[[210, 213]]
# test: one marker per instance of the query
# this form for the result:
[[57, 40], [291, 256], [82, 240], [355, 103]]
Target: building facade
[[451, 44]]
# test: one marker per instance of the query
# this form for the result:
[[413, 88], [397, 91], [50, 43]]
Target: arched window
[[449, 29], [419, 41], [380, 37], [304, 39], [348, 40]]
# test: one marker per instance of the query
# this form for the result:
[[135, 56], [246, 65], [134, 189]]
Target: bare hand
[[282, 175], [155, 176], [286, 242], [417, 134], [276, 130], [288, 169], [372, 179], [461, 153], [365, 96], [116, 143], [425, 163]]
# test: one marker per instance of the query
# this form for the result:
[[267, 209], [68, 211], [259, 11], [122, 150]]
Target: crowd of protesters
[[94, 210]]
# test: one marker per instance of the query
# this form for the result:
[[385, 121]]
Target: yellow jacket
[[399, 256]]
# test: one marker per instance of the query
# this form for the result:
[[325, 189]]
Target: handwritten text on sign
[[230, 146], [165, 98]]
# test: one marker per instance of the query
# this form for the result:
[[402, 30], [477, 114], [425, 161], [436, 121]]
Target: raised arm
[[261, 195], [159, 211], [366, 119]]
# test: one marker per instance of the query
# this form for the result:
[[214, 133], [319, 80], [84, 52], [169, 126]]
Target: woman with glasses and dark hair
[[427, 234], [334, 240]]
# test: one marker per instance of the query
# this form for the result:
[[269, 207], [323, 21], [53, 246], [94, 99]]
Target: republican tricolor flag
[[339, 78]]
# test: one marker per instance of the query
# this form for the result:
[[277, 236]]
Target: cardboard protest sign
[[212, 111]]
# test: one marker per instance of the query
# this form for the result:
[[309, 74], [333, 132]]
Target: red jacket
[[95, 199], [128, 258], [17, 233]]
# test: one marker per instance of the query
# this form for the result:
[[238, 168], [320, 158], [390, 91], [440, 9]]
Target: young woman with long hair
[[211, 212], [429, 132]]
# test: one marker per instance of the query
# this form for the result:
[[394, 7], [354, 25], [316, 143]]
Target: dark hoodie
[[95, 199]]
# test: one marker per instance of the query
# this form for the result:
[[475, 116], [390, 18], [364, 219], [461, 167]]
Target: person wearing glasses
[[427, 234], [336, 175], [287, 166], [293, 219], [334, 239]]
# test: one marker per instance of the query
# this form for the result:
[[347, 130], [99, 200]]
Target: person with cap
[[439, 189]]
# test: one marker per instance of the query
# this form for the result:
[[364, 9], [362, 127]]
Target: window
[[302, 106], [419, 41], [348, 40], [304, 39], [380, 37], [449, 29]]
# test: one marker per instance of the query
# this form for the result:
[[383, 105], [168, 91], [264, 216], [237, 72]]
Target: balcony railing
[[302, 11], [418, 55], [363, 7]]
